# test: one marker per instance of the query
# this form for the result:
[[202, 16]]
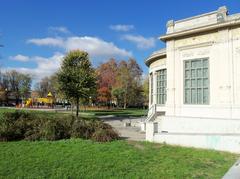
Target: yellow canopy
[[49, 94]]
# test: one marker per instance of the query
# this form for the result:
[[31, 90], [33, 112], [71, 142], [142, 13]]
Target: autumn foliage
[[120, 84]]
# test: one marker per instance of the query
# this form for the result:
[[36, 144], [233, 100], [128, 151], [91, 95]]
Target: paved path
[[233, 172], [130, 132]]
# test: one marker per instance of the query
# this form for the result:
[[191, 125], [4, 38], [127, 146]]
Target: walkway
[[128, 132]]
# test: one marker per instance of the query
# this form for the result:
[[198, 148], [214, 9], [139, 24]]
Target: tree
[[123, 81], [42, 87], [46, 85], [106, 79], [129, 83], [19, 84], [146, 90], [135, 97], [118, 93], [104, 95], [120, 82], [77, 79], [25, 85], [3, 87]]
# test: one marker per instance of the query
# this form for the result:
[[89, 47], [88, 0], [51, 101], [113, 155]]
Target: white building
[[195, 83]]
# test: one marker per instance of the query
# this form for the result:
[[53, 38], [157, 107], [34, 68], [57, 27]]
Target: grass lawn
[[93, 113], [76, 158], [49, 113], [116, 112]]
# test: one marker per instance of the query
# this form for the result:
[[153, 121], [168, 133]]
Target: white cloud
[[140, 41], [49, 41], [94, 46], [19, 57], [45, 66], [60, 29], [121, 27]]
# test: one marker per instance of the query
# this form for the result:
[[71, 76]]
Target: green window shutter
[[196, 81]]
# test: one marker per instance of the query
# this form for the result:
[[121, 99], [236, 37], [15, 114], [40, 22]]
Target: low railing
[[151, 113]]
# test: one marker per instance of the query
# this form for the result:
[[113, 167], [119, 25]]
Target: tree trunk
[[77, 107], [72, 108], [125, 101]]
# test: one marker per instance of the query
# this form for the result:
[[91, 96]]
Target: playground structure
[[40, 102]]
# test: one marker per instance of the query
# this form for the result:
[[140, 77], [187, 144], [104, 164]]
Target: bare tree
[[18, 85]]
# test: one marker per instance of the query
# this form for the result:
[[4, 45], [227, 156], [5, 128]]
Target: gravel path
[[129, 132]]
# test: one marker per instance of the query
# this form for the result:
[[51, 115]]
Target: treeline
[[14, 87], [119, 84]]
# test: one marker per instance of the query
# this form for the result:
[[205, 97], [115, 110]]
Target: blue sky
[[36, 34]]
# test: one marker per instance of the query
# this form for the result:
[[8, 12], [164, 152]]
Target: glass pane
[[187, 64], [187, 83], [193, 83], [205, 82], [205, 72], [193, 64], [194, 96], [199, 96], [205, 63], [199, 82], [199, 64], [193, 73], [187, 74], [187, 96], [205, 95], [199, 72]]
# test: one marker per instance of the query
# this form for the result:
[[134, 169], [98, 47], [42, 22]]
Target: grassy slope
[[77, 158]]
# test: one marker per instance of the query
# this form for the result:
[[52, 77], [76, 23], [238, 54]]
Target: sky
[[36, 34]]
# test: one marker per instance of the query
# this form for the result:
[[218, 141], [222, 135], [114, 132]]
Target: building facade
[[195, 83]]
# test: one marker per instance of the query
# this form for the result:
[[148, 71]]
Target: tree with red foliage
[[106, 73]]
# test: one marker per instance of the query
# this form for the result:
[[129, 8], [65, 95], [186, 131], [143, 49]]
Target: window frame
[[196, 78], [160, 95], [151, 87]]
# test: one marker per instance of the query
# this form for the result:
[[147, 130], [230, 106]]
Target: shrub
[[102, 125], [55, 129], [105, 135], [19, 125], [104, 132], [82, 129], [13, 125]]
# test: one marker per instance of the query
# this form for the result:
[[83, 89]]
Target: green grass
[[49, 113], [77, 158], [116, 112], [93, 113]]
